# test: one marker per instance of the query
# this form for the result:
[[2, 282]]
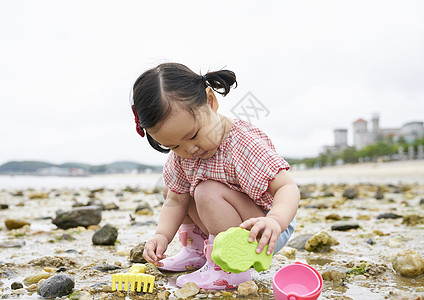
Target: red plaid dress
[[245, 161]]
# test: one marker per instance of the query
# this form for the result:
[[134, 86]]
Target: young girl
[[220, 173]]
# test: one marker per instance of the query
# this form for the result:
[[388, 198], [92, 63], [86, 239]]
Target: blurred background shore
[[375, 172]]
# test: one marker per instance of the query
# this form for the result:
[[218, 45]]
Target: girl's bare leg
[[216, 207], [192, 213]]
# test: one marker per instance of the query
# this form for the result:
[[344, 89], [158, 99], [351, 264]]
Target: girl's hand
[[267, 228], [155, 248]]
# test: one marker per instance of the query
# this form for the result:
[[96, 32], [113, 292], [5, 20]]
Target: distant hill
[[34, 167]]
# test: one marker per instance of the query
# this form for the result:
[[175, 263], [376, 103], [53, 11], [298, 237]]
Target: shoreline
[[373, 172]]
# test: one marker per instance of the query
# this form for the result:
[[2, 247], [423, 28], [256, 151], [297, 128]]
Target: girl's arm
[[286, 200], [171, 216]]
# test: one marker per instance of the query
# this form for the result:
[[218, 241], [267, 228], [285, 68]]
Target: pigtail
[[220, 81]]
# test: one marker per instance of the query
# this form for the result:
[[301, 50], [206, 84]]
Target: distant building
[[340, 138], [412, 131], [362, 136], [340, 142]]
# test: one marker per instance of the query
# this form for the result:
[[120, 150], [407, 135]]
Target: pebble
[[111, 206], [389, 216], [136, 253], [370, 241], [363, 217], [80, 295], [144, 209], [344, 226], [4, 206], [107, 289], [106, 235], [413, 220], [12, 244], [80, 216], [36, 278], [379, 194], [298, 242], [16, 285], [320, 242], [408, 263], [288, 252], [350, 193], [57, 286], [247, 288], [335, 273], [188, 290], [15, 224], [106, 267], [333, 217], [38, 195]]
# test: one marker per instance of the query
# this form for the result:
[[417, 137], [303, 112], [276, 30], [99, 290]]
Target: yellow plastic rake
[[137, 277]]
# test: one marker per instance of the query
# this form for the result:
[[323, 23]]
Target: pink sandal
[[191, 255], [211, 276]]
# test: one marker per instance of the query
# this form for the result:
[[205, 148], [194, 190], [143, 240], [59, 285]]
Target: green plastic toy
[[234, 253]]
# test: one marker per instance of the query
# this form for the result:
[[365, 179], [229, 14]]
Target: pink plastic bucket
[[297, 282]]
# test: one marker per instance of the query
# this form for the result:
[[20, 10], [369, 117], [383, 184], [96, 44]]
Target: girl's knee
[[205, 190]]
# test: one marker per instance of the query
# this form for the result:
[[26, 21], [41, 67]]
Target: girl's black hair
[[156, 88]]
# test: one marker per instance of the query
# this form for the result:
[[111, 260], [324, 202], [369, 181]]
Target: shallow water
[[43, 239]]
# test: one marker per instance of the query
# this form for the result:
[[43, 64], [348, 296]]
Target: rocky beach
[[360, 226]]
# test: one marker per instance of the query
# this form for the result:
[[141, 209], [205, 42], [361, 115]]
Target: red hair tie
[[140, 130]]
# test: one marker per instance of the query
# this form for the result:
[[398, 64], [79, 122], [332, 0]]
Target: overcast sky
[[67, 67]]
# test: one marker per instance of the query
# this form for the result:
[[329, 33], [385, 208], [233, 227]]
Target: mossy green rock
[[234, 253]]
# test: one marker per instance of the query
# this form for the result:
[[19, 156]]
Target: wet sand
[[322, 191]]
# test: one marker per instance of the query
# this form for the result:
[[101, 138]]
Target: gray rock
[[350, 193], [106, 235], [144, 207], [344, 226], [299, 242], [388, 216], [370, 241], [146, 223], [379, 194], [111, 206], [80, 216], [305, 195], [106, 267], [57, 286], [16, 285], [12, 244], [136, 253]]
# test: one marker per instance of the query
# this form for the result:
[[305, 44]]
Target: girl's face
[[191, 137]]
